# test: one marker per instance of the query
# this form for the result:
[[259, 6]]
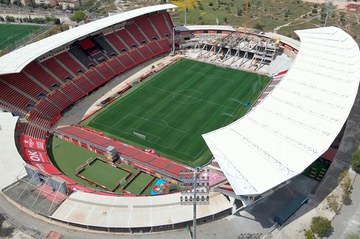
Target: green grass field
[[171, 110], [67, 157], [104, 174], [136, 186], [12, 33]]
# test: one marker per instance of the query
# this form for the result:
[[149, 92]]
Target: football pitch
[[11, 33], [171, 110]]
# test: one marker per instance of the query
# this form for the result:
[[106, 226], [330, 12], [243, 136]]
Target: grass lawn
[[67, 157], [170, 111], [138, 184], [12, 33], [104, 174]]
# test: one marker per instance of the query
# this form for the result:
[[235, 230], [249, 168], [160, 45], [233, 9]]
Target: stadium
[[105, 118]]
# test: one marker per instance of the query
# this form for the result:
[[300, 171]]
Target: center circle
[[187, 96]]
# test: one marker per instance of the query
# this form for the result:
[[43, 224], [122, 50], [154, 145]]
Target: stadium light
[[196, 190]]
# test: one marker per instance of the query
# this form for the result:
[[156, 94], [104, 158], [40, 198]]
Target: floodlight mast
[[189, 179]]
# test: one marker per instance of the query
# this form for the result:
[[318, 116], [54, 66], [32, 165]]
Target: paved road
[[348, 221]]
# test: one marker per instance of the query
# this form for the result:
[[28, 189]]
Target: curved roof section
[[298, 120], [11, 163], [205, 27], [16, 60]]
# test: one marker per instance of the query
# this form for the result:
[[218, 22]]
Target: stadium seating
[[48, 108], [36, 71], [60, 99], [126, 60], [114, 40], [72, 91], [144, 50], [34, 131], [164, 44], [46, 88], [116, 65], [25, 84], [136, 56], [105, 45], [53, 66], [124, 35], [14, 98], [81, 56], [95, 77], [135, 32], [43, 90], [158, 20], [146, 27], [105, 71], [154, 47], [143, 158], [84, 84], [168, 21], [70, 62], [41, 119]]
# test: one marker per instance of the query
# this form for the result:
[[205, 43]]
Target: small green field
[[67, 157], [171, 110], [104, 174], [139, 183], [11, 34]]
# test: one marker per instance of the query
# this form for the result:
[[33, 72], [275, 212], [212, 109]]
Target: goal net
[[142, 136]]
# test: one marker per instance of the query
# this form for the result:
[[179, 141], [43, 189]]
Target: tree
[[259, 26], [309, 234], [320, 225], [239, 12], [78, 16], [355, 161]]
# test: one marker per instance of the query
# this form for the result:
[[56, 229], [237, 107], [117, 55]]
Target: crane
[[246, 15]]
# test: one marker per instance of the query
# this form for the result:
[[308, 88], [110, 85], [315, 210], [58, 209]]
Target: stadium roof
[[298, 120], [16, 60], [11, 163], [205, 27]]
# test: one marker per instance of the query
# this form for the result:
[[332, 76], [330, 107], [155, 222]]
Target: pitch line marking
[[192, 97]]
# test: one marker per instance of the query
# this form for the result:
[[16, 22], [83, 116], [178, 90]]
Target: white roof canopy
[[16, 60], [11, 163], [298, 120]]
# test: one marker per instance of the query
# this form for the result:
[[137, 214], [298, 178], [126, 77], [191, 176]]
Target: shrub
[[309, 234], [320, 225], [355, 161], [333, 203]]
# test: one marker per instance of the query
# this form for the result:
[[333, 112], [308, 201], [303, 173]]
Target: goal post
[[142, 136]]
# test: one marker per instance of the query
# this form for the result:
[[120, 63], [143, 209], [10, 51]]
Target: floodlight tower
[[196, 184]]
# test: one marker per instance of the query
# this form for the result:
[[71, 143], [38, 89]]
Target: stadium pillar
[[173, 41]]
